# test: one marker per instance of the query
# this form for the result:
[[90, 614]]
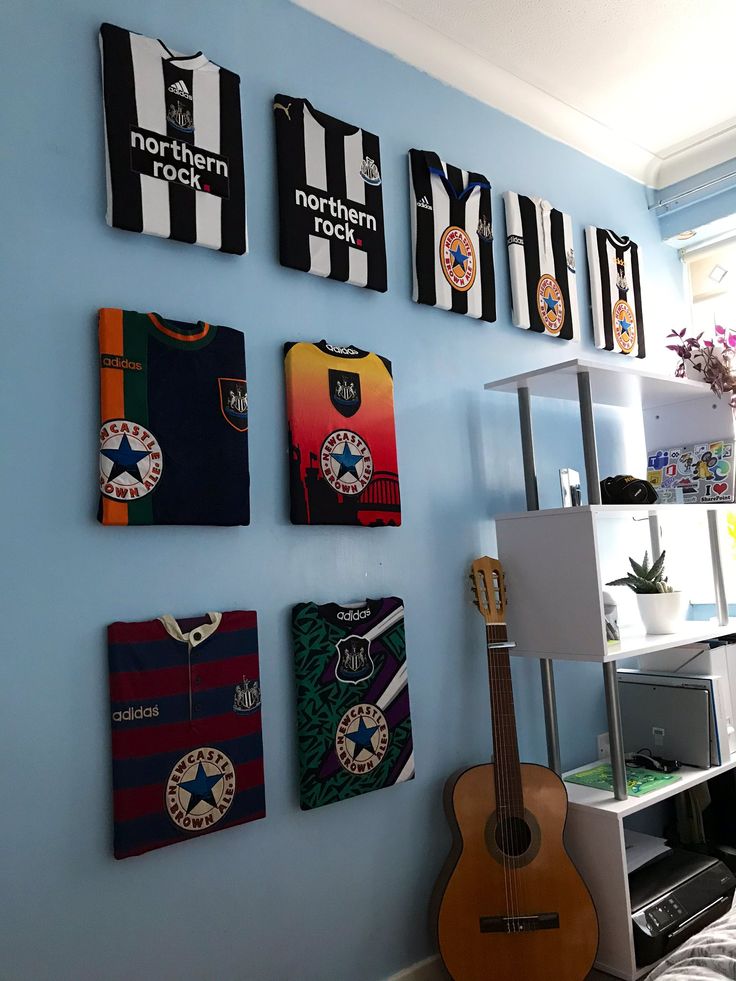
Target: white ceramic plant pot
[[661, 613]]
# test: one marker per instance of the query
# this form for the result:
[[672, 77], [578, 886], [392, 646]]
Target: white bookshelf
[[594, 836], [556, 565], [589, 798]]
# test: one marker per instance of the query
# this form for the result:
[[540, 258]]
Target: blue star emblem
[[362, 738], [125, 459], [458, 257], [200, 788], [348, 462], [624, 324], [550, 302]]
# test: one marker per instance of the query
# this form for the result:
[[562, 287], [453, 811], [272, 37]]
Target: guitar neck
[[507, 771]]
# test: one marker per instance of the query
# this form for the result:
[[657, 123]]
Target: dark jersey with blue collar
[[452, 237]]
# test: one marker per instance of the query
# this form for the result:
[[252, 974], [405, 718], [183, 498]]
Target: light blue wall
[[340, 892]]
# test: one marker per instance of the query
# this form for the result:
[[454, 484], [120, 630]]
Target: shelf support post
[[527, 449], [546, 666], [654, 535], [717, 562], [615, 731], [549, 699], [590, 452]]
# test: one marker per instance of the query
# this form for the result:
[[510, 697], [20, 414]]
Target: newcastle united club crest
[[484, 230], [234, 402], [344, 391], [354, 660], [369, 171], [179, 109], [247, 697]]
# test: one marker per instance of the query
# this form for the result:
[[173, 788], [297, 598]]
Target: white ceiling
[[645, 85]]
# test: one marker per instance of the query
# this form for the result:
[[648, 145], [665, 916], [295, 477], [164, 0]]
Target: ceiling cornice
[[381, 24]]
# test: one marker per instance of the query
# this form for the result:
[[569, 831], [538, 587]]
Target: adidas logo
[[180, 88], [424, 203], [133, 712]]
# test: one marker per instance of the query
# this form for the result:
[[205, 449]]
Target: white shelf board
[[588, 798], [636, 644], [681, 510], [619, 383], [692, 630]]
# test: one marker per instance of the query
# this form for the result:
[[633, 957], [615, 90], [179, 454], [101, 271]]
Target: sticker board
[[698, 474]]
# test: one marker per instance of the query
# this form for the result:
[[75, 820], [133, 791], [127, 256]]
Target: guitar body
[[540, 879]]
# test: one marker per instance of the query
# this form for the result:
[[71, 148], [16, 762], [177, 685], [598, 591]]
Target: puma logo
[[278, 105]]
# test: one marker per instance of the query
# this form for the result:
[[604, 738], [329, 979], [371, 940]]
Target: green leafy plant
[[645, 579]]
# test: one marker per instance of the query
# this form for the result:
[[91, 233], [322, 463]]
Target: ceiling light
[[717, 274], [684, 236]]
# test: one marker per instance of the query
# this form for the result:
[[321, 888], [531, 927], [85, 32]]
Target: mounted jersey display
[[353, 714], [342, 445], [615, 292], [452, 237], [542, 266], [174, 422], [187, 754], [330, 196], [174, 143]]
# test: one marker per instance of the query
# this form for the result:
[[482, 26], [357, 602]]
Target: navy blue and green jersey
[[185, 706], [353, 716], [174, 422]]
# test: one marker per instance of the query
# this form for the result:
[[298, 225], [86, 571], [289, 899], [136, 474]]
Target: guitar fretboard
[[507, 772]]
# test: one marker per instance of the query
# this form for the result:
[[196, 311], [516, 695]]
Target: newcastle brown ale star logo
[[200, 789]]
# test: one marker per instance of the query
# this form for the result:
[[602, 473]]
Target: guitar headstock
[[489, 589]]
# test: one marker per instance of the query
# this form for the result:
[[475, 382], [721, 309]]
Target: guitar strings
[[510, 818], [498, 770], [512, 825]]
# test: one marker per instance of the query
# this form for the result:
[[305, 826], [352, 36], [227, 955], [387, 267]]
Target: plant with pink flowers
[[711, 360]]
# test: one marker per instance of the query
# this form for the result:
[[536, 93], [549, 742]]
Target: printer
[[674, 897]]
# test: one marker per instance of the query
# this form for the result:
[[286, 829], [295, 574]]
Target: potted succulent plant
[[661, 608]]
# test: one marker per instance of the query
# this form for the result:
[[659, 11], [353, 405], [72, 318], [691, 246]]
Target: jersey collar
[[176, 333], [195, 636]]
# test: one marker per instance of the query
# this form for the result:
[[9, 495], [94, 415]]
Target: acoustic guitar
[[510, 905]]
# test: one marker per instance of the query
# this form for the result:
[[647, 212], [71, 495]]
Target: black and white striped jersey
[[615, 292], [174, 143], [544, 292], [330, 196], [452, 237]]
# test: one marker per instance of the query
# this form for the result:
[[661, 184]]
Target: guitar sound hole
[[513, 836]]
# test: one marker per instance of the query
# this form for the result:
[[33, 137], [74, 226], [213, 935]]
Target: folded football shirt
[[187, 752], [353, 715], [174, 415], [452, 237], [544, 293], [174, 143], [330, 197], [615, 292], [342, 444]]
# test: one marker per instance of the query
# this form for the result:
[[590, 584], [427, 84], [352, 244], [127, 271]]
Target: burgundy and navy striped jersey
[[174, 143], [187, 753]]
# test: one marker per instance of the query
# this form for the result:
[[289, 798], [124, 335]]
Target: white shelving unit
[[594, 835], [556, 563], [557, 559]]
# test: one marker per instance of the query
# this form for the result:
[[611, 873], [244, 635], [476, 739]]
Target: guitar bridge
[[519, 924]]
